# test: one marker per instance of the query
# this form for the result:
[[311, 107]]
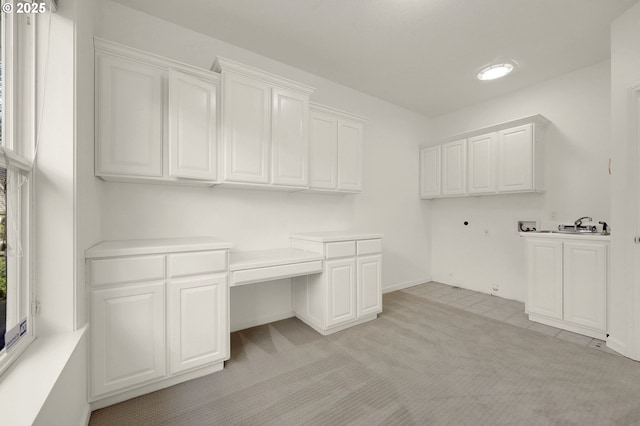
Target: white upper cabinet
[[516, 152], [156, 119], [430, 172], [505, 158], [265, 127], [192, 127], [349, 155], [323, 151], [454, 168], [481, 171], [290, 133], [130, 117], [246, 134], [335, 154]]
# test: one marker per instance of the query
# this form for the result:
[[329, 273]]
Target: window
[[17, 141]]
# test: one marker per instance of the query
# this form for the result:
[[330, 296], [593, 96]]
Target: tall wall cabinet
[[506, 158], [159, 314], [156, 119]]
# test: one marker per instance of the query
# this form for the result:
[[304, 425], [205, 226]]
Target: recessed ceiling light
[[494, 71]]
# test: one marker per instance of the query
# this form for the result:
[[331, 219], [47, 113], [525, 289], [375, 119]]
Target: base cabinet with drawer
[[349, 291], [159, 314], [567, 283]]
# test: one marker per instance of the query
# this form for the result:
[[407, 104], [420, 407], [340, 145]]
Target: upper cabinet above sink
[[506, 158]]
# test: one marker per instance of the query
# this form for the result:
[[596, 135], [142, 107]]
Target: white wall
[[263, 219], [624, 290], [577, 151]]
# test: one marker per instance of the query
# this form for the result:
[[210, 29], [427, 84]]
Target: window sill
[[26, 385]]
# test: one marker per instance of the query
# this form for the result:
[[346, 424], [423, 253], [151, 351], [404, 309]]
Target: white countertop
[[154, 246], [331, 236], [596, 236], [241, 260]]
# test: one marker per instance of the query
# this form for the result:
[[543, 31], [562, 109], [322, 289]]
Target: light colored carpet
[[419, 363]]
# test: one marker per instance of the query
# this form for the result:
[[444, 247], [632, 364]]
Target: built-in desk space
[[248, 267]]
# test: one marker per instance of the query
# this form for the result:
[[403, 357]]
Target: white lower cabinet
[[369, 285], [567, 284], [197, 318], [128, 336], [544, 276], [159, 314], [585, 279], [348, 292], [341, 291]]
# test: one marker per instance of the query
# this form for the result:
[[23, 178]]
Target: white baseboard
[[254, 322], [405, 284], [86, 416], [617, 345]]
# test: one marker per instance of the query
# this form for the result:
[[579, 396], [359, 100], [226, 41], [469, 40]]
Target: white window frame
[[18, 137]]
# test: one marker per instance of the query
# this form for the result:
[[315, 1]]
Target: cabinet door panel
[[290, 118], [198, 332], [482, 164], [454, 168], [369, 285], [430, 172], [341, 295], [585, 284], [544, 278], [192, 127], [246, 129], [130, 125], [349, 155], [516, 159], [128, 336], [323, 151]]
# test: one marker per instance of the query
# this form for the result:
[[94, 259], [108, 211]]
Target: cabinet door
[[454, 168], [192, 127], [246, 130], [369, 285], [341, 294], [349, 155], [585, 284], [430, 172], [290, 138], [323, 151], [198, 322], [130, 123], [127, 335], [481, 152], [515, 159], [544, 278]]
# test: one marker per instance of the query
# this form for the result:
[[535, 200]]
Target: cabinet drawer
[[369, 246], [127, 269], [198, 263], [269, 273], [341, 249]]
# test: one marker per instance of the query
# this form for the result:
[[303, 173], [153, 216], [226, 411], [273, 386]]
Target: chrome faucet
[[578, 223]]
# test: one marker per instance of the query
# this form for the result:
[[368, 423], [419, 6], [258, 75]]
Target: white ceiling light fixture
[[497, 70]]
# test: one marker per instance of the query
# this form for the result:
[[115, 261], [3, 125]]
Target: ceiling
[[419, 54]]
